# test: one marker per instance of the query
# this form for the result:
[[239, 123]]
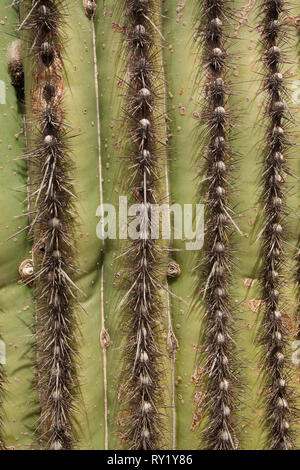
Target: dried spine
[[52, 225], [221, 377], [142, 306], [279, 403]]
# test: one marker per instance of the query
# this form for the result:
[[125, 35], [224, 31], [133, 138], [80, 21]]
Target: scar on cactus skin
[[142, 307], [15, 68], [221, 372], [280, 409], [52, 228], [174, 269], [26, 271], [90, 8]]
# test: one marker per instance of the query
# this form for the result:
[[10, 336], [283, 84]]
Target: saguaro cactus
[[144, 343]]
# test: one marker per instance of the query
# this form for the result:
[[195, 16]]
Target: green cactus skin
[[20, 399], [90, 428], [97, 425], [91, 422]]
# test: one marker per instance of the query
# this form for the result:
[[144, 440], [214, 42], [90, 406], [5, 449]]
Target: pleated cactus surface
[[132, 339]]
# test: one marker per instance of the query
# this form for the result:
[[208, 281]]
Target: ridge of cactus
[[142, 304], [18, 400], [221, 373], [280, 405], [52, 225]]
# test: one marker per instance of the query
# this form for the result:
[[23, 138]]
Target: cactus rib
[[172, 342], [53, 224], [90, 8], [279, 402], [220, 366], [142, 302]]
